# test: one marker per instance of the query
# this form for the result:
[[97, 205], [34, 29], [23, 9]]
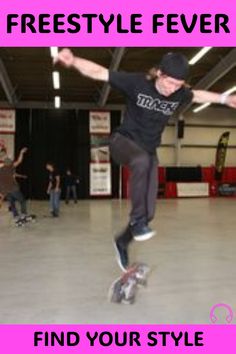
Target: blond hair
[[151, 75]]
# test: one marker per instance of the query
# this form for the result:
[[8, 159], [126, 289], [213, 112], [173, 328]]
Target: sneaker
[[121, 255], [142, 233]]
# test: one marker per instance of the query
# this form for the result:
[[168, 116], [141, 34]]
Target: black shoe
[[121, 255], [142, 232]]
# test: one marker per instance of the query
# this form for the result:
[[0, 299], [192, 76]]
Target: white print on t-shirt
[[155, 104]]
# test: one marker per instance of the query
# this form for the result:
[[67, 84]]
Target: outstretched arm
[[85, 67], [202, 96], [20, 157], [18, 175]]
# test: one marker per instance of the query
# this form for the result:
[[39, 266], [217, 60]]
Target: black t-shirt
[[52, 178], [147, 111], [70, 180]]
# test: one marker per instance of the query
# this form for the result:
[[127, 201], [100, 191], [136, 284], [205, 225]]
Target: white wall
[[209, 124]]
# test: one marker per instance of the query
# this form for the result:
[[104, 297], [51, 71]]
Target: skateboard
[[124, 289], [21, 221]]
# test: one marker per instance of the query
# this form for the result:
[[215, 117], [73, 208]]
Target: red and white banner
[[100, 166], [100, 179], [193, 189], [99, 122], [7, 121], [7, 141]]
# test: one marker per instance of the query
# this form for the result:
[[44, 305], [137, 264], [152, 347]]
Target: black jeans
[[69, 190], [143, 176], [14, 197]]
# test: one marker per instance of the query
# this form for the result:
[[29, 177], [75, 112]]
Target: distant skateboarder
[[9, 188]]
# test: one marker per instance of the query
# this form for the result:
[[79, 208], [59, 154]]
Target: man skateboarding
[[151, 99], [9, 187]]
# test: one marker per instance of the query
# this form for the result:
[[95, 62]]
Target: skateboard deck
[[124, 289], [25, 220], [30, 218]]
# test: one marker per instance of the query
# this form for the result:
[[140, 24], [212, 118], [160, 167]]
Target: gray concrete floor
[[59, 270]]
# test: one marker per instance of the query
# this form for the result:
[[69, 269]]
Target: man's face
[[49, 167], [167, 85]]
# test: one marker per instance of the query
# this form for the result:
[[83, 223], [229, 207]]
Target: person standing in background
[[9, 188], [71, 181], [54, 189]]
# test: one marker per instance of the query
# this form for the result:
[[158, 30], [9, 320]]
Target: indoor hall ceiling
[[26, 74]]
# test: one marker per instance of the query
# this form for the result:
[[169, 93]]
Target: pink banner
[[31, 339], [118, 23]]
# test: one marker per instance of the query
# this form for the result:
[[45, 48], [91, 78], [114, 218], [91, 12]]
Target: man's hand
[[20, 157], [24, 150], [231, 101], [85, 67], [64, 57]]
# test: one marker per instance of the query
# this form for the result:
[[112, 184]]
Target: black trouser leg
[[74, 193], [21, 199], [12, 202], [67, 194], [152, 189], [143, 177], [17, 196]]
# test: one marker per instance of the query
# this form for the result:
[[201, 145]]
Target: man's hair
[[152, 74]]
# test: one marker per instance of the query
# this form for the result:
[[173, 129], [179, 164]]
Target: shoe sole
[[145, 237], [118, 258]]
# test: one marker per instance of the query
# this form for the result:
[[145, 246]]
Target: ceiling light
[[199, 55], [200, 108], [231, 90], [56, 80], [53, 51], [57, 101]]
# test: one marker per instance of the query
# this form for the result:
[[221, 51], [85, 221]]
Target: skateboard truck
[[123, 289]]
